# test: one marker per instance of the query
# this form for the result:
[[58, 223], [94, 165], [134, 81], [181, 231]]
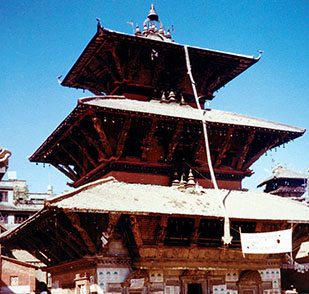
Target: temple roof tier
[[156, 138], [150, 219], [115, 63], [153, 199]]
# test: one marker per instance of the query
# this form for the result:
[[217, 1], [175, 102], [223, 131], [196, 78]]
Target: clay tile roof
[[218, 116], [109, 195]]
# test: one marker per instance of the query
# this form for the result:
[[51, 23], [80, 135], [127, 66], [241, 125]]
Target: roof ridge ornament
[[152, 14], [150, 29]]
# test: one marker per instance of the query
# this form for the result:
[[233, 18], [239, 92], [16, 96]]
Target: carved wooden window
[[210, 233], [179, 231], [246, 227]]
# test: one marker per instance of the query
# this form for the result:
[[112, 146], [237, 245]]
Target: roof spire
[[152, 14], [150, 29]]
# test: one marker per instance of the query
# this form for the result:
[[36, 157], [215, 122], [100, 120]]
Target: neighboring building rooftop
[[283, 173], [287, 183], [16, 203]]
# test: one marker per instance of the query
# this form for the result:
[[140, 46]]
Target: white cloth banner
[[303, 250], [270, 242]]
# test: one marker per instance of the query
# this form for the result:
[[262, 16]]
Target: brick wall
[[25, 274]]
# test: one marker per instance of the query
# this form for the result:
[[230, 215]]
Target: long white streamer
[[227, 238]]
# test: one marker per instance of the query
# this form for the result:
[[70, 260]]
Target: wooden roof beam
[[117, 61], [75, 220], [147, 140], [162, 230], [97, 124], [199, 147], [107, 67], [85, 178], [95, 53], [113, 219], [133, 66], [245, 151], [47, 250], [159, 67], [46, 254], [123, 136], [60, 244], [77, 162], [93, 142], [195, 233], [175, 140], [92, 87], [65, 133], [73, 239], [272, 143], [225, 147], [31, 247], [84, 150], [69, 172], [136, 231], [64, 241], [92, 75]]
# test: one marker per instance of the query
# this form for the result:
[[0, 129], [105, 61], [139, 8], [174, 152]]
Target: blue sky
[[41, 40]]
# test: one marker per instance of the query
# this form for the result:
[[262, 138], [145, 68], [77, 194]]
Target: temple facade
[[158, 205]]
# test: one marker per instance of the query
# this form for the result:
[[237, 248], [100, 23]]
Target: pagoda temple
[[158, 205], [144, 126], [286, 183]]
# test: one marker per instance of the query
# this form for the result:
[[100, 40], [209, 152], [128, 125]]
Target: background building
[[16, 203], [287, 183]]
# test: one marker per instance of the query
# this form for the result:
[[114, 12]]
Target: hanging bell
[[152, 14]]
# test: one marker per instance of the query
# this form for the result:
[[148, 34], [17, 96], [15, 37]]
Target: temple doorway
[[195, 289], [250, 282]]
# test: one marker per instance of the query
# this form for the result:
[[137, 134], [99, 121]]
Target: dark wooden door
[[195, 289]]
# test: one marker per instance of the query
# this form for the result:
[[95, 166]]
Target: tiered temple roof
[[146, 128], [155, 221], [111, 134], [147, 133]]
